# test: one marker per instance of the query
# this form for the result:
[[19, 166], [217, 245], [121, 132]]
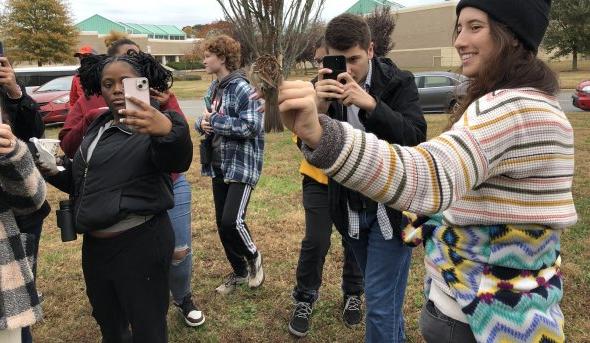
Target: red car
[[581, 99], [54, 99]]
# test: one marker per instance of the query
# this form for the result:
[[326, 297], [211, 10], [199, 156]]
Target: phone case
[[336, 63], [137, 87]]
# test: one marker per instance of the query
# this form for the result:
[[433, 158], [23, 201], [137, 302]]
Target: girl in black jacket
[[120, 186]]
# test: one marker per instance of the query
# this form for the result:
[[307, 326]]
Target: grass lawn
[[276, 219], [192, 90]]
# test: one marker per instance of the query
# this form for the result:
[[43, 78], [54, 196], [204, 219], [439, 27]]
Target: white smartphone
[[139, 88]]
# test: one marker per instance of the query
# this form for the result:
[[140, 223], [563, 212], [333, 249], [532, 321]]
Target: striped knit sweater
[[22, 191], [501, 179]]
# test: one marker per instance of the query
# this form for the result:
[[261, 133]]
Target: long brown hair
[[509, 67]]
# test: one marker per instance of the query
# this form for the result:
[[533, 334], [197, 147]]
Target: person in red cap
[[76, 90]]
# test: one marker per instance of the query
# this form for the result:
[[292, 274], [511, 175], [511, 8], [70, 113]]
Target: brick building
[[165, 42]]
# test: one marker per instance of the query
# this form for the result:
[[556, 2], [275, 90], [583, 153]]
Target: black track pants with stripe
[[231, 202]]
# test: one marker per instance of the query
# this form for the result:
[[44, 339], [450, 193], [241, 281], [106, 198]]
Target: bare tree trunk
[[575, 60], [39, 63], [272, 118], [274, 28]]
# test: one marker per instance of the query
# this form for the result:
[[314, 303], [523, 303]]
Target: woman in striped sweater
[[496, 186]]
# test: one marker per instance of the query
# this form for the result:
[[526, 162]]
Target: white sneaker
[[230, 284], [256, 273], [191, 314]]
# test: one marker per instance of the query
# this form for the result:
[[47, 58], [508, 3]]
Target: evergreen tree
[[39, 30], [569, 29]]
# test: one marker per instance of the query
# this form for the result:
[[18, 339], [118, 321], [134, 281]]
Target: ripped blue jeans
[[180, 216]]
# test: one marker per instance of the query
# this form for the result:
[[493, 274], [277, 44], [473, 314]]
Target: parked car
[[581, 98], [439, 90], [32, 77], [54, 99]]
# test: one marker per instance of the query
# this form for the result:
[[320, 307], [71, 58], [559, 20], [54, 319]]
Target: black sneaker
[[191, 314], [352, 314], [299, 324]]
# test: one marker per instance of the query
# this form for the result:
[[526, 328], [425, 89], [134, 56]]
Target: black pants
[[438, 328], [127, 281], [231, 202], [315, 246]]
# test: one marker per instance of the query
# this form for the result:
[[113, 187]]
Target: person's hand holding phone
[[328, 87], [145, 119], [7, 140], [327, 90], [354, 94], [8, 79]]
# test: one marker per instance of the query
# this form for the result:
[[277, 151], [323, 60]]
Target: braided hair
[[145, 65]]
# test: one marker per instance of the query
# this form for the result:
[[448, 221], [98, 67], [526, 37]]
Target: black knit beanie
[[528, 19]]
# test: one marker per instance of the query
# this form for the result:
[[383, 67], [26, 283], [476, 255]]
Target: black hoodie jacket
[[23, 114], [397, 118], [127, 174]]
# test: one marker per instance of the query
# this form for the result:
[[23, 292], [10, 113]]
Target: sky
[[183, 12]]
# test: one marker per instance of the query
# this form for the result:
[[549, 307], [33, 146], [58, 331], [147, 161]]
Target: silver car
[[439, 90]]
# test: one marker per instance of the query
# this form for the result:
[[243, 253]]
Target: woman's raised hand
[[297, 106]]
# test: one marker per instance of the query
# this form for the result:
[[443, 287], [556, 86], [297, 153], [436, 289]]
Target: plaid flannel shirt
[[241, 127], [22, 191]]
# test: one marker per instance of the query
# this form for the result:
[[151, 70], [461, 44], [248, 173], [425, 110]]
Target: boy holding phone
[[317, 239], [375, 96]]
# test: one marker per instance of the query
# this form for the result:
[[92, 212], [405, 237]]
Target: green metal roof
[[362, 7], [136, 28], [100, 24], [155, 29], [172, 30], [103, 26]]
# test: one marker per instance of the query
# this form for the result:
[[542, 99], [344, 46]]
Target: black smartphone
[[336, 63], [1, 49]]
